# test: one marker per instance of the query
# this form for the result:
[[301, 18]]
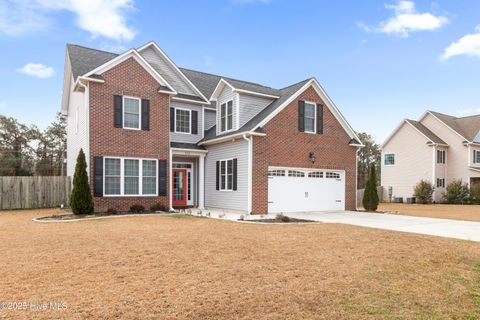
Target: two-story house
[[153, 132], [438, 148]]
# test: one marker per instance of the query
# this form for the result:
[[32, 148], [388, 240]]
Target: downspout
[[249, 173]]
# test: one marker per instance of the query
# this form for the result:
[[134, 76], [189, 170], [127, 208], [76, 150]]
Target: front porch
[[187, 172]]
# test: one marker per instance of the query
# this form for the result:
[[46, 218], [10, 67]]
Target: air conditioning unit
[[398, 200], [411, 200]]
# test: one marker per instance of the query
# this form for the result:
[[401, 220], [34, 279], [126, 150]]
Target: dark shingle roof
[[83, 59], [425, 131], [284, 94], [182, 145], [467, 127]]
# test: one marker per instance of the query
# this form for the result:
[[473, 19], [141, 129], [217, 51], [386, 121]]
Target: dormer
[[237, 105]]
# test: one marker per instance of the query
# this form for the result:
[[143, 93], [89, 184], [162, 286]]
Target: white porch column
[[201, 182], [170, 183]]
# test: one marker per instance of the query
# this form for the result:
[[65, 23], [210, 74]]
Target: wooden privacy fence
[[33, 192]]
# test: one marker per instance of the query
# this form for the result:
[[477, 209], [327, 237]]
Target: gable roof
[[426, 132], [83, 59], [467, 127]]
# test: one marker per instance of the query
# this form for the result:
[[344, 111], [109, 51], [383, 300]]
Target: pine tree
[[370, 196], [81, 201]]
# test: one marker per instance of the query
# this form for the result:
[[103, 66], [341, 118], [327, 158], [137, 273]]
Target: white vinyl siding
[[414, 161], [250, 106], [227, 95], [167, 72], [235, 200], [210, 118], [183, 137]]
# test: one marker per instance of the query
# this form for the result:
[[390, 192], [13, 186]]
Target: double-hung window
[[389, 159], [226, 116], [310, 117], [226, 175], [182, 120], [131, 113], [476, 156], [440, 183], [130, 177], [440, 156]]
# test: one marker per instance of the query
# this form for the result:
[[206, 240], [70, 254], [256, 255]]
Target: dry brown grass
[[445, 211], [192, 268]]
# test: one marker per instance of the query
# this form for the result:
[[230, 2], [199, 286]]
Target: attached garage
[[303, 190]]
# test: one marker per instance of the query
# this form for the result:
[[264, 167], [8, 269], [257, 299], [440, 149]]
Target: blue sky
[[379, 60]]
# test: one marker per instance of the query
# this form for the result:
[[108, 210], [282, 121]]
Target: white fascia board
[[187, 100], [253, 93], [67, 84], [323, 95], [163, 54], [183, 151], [235, 136], [218, 89], [132, 53]]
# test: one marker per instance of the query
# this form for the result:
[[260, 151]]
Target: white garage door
[[297, 190]]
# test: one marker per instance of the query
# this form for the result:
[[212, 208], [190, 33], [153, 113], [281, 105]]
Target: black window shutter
[[194, 122], [162, 177], [235, 174], [117, 112], [98, 176], [301, 116], [319, 119], [145, 114], [172, 119], [218, 175]]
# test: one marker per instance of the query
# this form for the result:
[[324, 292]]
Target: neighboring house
[[153, 132], [438, 148]]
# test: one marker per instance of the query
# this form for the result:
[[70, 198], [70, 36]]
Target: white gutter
[[232, 137], [249, 172]]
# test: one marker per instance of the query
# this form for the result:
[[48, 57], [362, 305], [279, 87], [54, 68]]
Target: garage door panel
[[294, 194]]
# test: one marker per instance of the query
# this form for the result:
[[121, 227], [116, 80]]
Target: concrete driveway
[[465, 230]]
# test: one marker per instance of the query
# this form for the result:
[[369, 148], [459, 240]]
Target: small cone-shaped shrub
[[370, 196], [81, 201]]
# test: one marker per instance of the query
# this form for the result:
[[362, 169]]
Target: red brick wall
[[127, 78], [285, 146]]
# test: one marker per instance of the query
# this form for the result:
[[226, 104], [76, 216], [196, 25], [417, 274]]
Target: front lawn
[[158, 267], [444, 211]]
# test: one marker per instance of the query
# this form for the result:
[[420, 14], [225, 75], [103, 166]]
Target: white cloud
[[406, 20], [101, 18], [467, 45], [37, 70]]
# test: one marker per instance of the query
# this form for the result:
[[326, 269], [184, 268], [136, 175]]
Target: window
[[226, 175], [112, 176], [310, 116], [182, 165], [131, 113], [276, 173], [149, 177], [315, 174], [295, 173], [332, 175], [389, 159], [440, 156], [440, 183], [476, 156], [226, 116], [124, 177], [182, 120]]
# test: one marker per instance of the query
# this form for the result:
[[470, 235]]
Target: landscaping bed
[[70, 216]]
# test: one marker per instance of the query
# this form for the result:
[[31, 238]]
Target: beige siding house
[[438, 148]]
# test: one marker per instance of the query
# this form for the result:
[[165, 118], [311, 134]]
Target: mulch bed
[[64, 217]]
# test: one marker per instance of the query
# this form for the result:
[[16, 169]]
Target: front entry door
[[179, 187]]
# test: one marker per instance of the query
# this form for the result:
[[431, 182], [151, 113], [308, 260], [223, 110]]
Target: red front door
[[179, 182]]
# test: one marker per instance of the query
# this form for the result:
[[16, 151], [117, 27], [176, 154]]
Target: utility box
[[411, 200], [397, 200]]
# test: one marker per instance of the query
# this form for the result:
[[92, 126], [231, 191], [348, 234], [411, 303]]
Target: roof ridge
[[473, 115], [94, 49], [227, 78], [287, 87]]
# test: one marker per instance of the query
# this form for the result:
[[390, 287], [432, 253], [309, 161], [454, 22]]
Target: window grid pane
[[389, 159], [131, 176], [112, 176], [182, 121], [131, 116]]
